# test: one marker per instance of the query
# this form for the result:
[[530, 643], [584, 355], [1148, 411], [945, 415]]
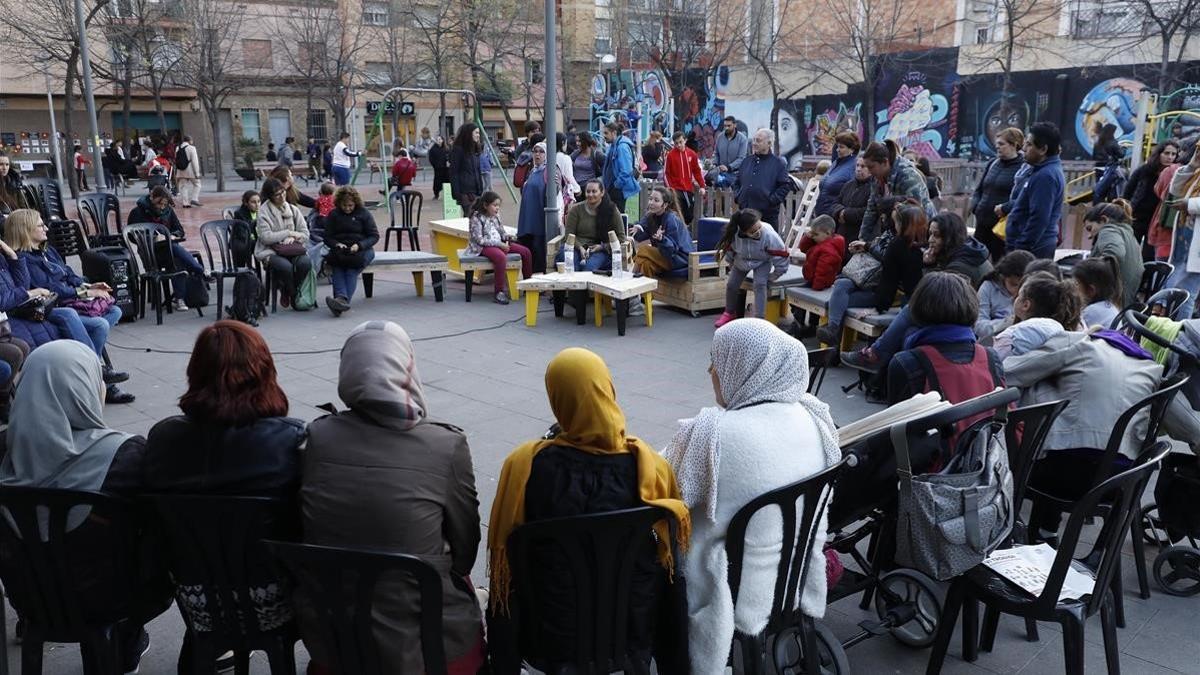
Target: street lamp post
[[553, 203], [53, 130]]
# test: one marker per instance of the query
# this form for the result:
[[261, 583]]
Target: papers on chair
[[915, 407], [1029, 567]]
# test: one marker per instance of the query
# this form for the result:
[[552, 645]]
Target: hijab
[[378, 376], [584, 402], [57, 438], [755, 363]]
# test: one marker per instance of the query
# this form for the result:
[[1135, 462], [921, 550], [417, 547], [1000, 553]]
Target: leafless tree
[[210, 63], [146, 49], [1174, 23], [679, 38], [496, 35], [327, 41], [436, 31], [1007, 29]]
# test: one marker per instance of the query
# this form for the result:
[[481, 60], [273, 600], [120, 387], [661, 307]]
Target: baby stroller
[[1173, 517], [907, 602]]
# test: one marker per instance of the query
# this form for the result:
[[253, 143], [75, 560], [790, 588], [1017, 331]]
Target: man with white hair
[[762, 181]]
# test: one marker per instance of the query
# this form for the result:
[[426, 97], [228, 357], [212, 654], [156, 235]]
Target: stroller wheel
[[905, 586], [1152, 526], [788, 652], [1177, 570]]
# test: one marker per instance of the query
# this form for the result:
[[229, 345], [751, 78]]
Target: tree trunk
[[68, 123], [442, 107], [156, 89], [1164, 67], [214, 124]]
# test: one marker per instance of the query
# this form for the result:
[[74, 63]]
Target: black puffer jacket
[[351, 228], [970, 260], [852, 204], [1139, 190], [465, 176]]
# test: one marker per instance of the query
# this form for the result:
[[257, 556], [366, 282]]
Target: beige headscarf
[[378, 376]]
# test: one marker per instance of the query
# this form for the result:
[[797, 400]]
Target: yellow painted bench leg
[[513, 277], [419, 282], [772, 311], [648, 302], [598, 309], [849, 337], [531, 308]]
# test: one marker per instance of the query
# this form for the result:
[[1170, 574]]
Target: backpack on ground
[[306, 295], [182, 161], [249, 299], [196, 292], [241, 243]]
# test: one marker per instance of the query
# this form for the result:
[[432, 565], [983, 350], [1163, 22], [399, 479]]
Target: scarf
[[939, 334], [755, 363], [584, 402], [378, 376], [1164, 328], [57, 438], [1121, 341]]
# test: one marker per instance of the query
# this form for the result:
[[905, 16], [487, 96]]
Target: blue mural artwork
[[920, 103], [628, 94], [1112, 101]]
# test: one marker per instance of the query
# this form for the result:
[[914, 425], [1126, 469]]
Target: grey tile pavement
[[483, 369]]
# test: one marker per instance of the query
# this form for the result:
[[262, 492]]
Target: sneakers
[[725, 318], [133, 659], [113, 394], [226, 662], [830, 334], [637, 307], [196, 203], [337, 304], [863, 359], [179, 306], [114, 376], [501, 298]]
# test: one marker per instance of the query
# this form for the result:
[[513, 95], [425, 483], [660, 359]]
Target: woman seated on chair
[[92, 303], [58, 439], [384, 476], [487, 237], [155, 208], [663, 242], [282, 234], [351, 235], [284, 175], [588, 465], [729, 454], [590, 221]]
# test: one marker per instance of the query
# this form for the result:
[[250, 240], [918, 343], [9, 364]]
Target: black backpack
[[249, 299], [181, 158], [241, 243], [196, 292]]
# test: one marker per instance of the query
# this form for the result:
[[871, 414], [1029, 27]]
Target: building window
[[425, 77], [982, 36], [1107, 18], [645, 33], [311, 56], [603, 3], [257, 54], [533, 71], [378, 73], [687, 29], [250, 127], [375, 13], [317, 128], [603, 36]]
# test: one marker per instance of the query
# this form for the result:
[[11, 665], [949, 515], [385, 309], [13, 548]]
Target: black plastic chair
[[45, 195], [47, 576], [1121, 493], [144, 240], [403, 201], [1156, 406], [1154, 277], [220, 565], [790, 575], [600, 549], [1024, 437], [214, 235], [819, 361], [1171, 300], [340, 583], [94, 211], [67, 237]]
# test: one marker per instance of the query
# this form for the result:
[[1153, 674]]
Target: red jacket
[[823, 261], [404, 170], [682, 168]]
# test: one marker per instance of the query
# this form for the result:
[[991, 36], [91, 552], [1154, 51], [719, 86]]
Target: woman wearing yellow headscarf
[[590, 466]]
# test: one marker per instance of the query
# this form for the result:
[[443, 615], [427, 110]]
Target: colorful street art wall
[[917, 103], [697, 110]]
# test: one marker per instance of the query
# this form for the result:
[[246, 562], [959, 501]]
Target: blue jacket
[[1036, 209], [47, 270], [762, 184], [676, 244], [531, 220], [14, 282], [840, 173], [618, 168]]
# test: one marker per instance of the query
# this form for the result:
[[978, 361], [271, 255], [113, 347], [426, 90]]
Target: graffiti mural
[[919, 97], [629, 95], [825, 119], [1183, 127], [1112, 101]]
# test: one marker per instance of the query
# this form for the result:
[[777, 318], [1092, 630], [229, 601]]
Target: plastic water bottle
[[614, 245], [569, 255]]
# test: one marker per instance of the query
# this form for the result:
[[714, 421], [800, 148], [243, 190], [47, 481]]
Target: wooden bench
[[777, 302], [577, 285], [448, 236], [470, 264], [865, 322], [702, 289], [417, 262]]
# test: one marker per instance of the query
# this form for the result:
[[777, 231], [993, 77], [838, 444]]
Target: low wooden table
[[449, 235], [417, 262], [575, 286]]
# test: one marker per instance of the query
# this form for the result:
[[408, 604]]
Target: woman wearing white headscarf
[[58, 439], [383, 476], [765, 432]]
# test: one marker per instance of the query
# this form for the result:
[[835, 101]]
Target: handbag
[[98, 306], [345, 258], [289, 250], [35, 309], [948, 522], [1000, 229], [863, 269]]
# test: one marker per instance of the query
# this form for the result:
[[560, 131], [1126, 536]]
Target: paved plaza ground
[[482, 370]]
